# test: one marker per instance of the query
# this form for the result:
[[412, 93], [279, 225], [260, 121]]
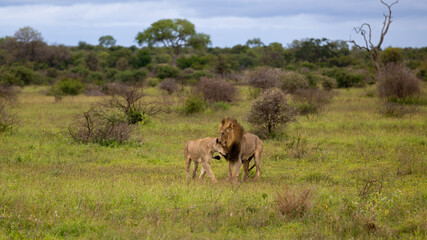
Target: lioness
[[241, 148], [201, 151]]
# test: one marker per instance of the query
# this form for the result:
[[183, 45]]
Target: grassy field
[[365, 175]]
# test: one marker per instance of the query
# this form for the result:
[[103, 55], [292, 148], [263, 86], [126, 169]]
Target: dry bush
[[7, 97], [169, 85], [7, 120], [100, 125], [8, 93], [270, 111], [312, 100], [294, 203], [214, 90], [292, 81], [264, 77], [128, 99], [397, 82]]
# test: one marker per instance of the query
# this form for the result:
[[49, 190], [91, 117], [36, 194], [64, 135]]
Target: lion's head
[[230, 133]]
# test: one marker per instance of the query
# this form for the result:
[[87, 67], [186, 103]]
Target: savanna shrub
[[105, 126], [291, 81], [327, 83], [270, 111], [312, 100], [216, 90], [130, 76], [194, 104], [396, 82], [69, 86], [25, 76], [152, 82], [391, 55], [127, 98], [7, 120], [166, 71], [95, 77], [345, 78], [263, 77], [169, 85]]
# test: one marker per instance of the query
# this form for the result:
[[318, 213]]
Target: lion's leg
[[188, 166], [196, 165], [209, 170], [237, 166], [230, 169], [246, 170]]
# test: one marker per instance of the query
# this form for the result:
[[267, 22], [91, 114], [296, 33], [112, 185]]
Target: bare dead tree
[[366, 32]]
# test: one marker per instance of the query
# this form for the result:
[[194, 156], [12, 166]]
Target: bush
[[95, 77], [216, 90], [194, 104], [263, 77], [130, 76], [311, 101], [24, 76], [69, 86], [128, 99], [327, 83], [169, 85], [291, 81], [166, 71], [7, 120], [105, 126], [345, 79], [270, 111], [152, 82], [396, 82], [391, 55]]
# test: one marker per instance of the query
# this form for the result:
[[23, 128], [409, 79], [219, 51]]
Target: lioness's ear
[[217, 140]]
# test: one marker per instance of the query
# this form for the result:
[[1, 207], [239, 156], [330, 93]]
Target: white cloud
[[239, 21]]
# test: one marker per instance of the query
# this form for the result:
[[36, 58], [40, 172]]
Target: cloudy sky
[[228, 22]]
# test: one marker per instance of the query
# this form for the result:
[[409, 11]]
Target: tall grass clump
[[294, 203]]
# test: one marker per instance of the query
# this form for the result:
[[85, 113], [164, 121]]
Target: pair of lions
[[237, 146]]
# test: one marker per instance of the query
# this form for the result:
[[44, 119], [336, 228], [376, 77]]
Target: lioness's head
[[230, 132], [219, 148]]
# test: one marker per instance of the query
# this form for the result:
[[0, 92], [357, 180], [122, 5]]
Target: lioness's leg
[[208, 169], [246, 170], [202, 173], [196, 165], [187, 166], [257, 159]]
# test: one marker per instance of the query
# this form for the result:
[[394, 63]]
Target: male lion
[[241, 148], [200, 151]]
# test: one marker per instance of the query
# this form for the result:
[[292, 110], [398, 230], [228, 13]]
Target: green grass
[[54, 188]]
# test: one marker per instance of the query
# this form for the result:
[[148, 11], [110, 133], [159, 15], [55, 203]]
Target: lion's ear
[[231, 125]]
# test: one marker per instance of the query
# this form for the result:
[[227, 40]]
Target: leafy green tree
[[173, 34], [107, 41]]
